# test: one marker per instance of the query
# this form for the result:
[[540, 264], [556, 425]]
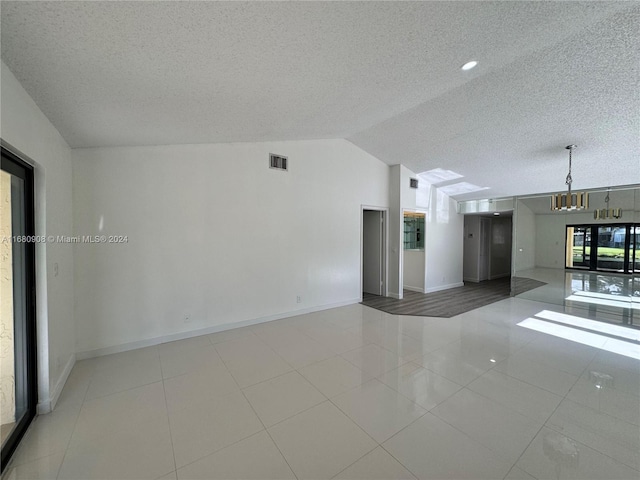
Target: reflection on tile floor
[[351, 392], [607, 297]]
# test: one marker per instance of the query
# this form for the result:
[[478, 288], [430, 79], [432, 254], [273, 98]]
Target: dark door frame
[[19, 168], [629, 253]]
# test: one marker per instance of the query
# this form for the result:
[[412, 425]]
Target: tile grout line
[[166, 407], [589, 408], [258, 417], [256, 414], [544, 424], [84, 399], [226, 446], [268, 433], [398, 460]]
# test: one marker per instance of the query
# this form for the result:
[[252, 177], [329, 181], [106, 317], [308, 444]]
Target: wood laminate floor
[[451, 302]]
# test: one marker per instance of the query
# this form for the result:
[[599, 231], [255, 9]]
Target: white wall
[[550, 240], [25, 128], [215, 234], [525, 238], [443, 232], [395, 232], [443, 243], [413, 268]]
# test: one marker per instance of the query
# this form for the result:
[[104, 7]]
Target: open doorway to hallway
[[487, 246], [373, 252]]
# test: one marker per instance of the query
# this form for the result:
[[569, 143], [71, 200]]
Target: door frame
[[629, 253], [401, 248], [14, 165], [385, 242]]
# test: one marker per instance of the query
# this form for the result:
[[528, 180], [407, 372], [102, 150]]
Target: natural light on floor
[[587, 332], [604, 299]]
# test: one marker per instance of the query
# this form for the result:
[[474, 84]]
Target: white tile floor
[[349, 393]]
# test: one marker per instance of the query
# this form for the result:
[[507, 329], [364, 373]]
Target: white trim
[[444, 287], [414, 289], [50, 403], [425, 212], [469, 279], [43, 407], [99, 352], [385, 247], [395, 295]]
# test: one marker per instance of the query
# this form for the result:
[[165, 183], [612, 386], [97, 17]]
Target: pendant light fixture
[[570, 200], [607, 213]]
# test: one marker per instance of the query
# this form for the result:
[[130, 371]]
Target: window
[[414, 231], [609, 247]]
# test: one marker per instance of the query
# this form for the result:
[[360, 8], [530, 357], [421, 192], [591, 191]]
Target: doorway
[[413, 253], [374, 259], [603, 248], [487, 246], [18, 390]]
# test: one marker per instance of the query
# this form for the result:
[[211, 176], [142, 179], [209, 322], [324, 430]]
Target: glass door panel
[[17, 319], [611, 248], [578, 247], [634, 250]]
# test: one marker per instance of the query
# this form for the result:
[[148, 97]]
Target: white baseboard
[[470, 279], [444, 287], [99, 352], [43, 407], [413, 289], [47, 405], [395, 295]]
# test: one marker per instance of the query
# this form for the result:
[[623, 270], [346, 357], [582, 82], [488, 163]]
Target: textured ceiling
[[385, 75]]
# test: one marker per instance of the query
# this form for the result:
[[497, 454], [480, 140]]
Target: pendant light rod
[[570, 200], [569, 180]]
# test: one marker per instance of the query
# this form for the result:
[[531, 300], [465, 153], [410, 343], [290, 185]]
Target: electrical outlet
[[298, 299], [187, 317]]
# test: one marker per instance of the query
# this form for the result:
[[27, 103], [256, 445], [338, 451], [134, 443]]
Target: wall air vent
[[277, 161], [413, 182]]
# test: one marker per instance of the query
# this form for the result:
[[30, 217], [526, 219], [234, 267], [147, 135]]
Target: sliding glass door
[[634, 249], [578, 247], [17, 303], [603, 248]]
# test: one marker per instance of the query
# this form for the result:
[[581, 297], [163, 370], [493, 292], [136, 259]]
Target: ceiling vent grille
[[413, 182], [278, 162]]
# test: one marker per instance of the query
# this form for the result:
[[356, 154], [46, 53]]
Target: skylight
[[439, 175], [460, 188]]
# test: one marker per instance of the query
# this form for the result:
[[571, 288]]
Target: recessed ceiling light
[[496, 214], [469, 65]]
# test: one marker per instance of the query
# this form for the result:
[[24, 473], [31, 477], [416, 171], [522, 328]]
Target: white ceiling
[[385, 75]]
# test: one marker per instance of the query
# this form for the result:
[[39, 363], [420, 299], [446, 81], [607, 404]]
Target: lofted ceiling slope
[[385, 75]]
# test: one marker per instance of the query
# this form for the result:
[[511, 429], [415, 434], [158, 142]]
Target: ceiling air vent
[[413, 182], [277, 161]]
